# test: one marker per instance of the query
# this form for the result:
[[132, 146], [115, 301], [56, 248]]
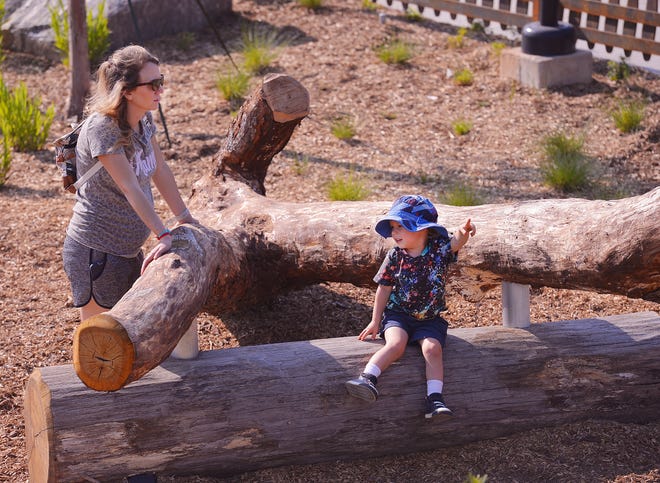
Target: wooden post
[[235, 410], [515, 305], [188, 346], [78, 58]]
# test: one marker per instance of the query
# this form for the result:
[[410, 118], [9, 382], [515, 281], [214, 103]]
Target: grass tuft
[[395, 51], [564, 166], [628, 115], [461, 195], [347, 188], [343, 128]]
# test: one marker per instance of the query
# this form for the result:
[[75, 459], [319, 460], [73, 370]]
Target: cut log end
[[286, 97], [103, 353]]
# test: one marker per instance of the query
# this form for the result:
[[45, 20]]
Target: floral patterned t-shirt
[[418, 282]]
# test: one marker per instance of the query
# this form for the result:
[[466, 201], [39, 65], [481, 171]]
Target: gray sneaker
[[364, 387], [435, 406]]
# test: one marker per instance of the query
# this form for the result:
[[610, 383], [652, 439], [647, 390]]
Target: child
[[411, 295]]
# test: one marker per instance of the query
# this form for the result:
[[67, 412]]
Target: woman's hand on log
[[164, 245]]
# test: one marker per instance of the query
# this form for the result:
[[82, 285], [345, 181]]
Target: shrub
[[185, 40], [23, 125], [628, 115], [5, 163], [369, 5], [498, 47], [618, 71], [343, 128], [564, 166], [233, 86], [457, 41], [258, 48], [460, 195], [346, 189], [413, 15], [311, 4], [463, 77], [476, 478], [98, 33], [461, 127], [300, 164], [395, 51]]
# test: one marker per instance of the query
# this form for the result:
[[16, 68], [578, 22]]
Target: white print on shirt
[[144, 165]]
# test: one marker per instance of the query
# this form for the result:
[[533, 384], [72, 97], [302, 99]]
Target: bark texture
[[236, 410]]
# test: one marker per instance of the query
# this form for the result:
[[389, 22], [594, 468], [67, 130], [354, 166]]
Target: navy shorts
[[93, 273], [417, 330]]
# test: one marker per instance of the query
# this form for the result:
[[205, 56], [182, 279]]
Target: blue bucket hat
[[414, 213]]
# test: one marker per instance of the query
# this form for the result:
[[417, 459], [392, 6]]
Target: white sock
[[372, 369], [433, 385]]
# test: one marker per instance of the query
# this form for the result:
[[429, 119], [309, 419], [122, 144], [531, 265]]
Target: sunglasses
[[155, 84]]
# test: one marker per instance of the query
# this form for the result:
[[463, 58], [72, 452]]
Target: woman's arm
[[166, 185], [122, 173]]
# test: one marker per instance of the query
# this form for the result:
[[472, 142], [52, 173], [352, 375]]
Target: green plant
[[498, 47], [59, 22], [628, 115], [98, 33], [5, 163], [185, 40], [477, 26], [300, 164], [395, 51], [424, 177], [311, 4], [476, 478], [23, 125], [413, 15], [233, 86], [343, 128], [370, 5], [258, 48], [564, 165], [457, 41], [618, 71], [460, 195], [463, 77], [346, 189], [461, 127]]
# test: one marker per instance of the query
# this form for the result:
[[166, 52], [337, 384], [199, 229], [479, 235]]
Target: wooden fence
[[632, 25]]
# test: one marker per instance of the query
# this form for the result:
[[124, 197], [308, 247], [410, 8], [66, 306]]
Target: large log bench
[[235, 410]]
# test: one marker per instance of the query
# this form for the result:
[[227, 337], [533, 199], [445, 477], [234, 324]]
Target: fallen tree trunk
[[255, 247], [243, 409]]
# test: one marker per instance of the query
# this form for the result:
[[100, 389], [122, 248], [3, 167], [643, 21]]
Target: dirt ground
[[404, 144]]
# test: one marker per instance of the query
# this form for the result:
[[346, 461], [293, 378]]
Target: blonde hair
[[115, 76]]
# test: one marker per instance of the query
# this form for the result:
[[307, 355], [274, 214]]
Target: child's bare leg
[[432, 351], [435, 404], [364, 387], [396, 340]]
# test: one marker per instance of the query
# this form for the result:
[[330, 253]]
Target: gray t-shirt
[[102, 218]]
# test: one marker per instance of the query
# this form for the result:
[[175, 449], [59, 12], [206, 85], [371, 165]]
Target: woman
[[114, 210]]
